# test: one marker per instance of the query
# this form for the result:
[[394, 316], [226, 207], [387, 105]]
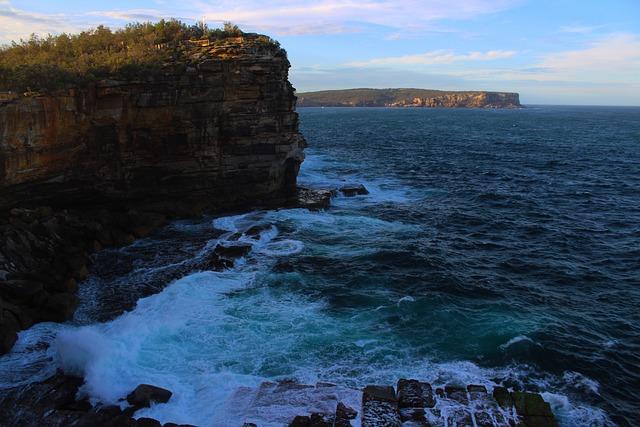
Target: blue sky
[[551, 52]]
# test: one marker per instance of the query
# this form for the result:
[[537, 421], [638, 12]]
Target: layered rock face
[[114, 160], [467, 100], [221, 126]]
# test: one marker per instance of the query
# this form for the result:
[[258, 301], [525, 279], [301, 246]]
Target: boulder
[[300, 421], [415, 394], [380, 407], [232, 251], [354, 190], [313, 199], [145, 394], [344, 415]]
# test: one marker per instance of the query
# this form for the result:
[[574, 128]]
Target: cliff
[[215, 128], [408, 98], [220, 125]]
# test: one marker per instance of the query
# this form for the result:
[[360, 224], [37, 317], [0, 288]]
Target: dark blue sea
[[495, 247]]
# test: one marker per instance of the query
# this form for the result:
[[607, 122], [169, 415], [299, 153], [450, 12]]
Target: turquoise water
[[495, 247]]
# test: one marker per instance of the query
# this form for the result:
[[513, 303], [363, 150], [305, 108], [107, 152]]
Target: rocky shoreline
[[412, 403]]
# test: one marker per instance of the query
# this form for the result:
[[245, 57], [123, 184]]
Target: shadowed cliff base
[[408, 98]]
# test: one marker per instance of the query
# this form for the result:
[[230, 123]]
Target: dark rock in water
[[321, 420], [345, 412], [59, 307], [503, 397], [313, 199], [354, 190], [147, 422], [459, 394], [533, 410], [243, 425], [145, 394], [300, 421], [232, 251], [415, 394], [190, 425], [380, 407], [255, 230]]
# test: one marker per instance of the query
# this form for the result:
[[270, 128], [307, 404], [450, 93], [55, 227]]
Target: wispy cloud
[[580, 29], [16, 23], [435, 57], [613, 58], [279, 15]]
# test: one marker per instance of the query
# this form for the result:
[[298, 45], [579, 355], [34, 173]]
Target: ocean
[[495, 247]]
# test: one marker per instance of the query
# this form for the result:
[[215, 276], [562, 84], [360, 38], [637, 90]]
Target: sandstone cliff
[[112, 160], [220, 125], [408, 98]]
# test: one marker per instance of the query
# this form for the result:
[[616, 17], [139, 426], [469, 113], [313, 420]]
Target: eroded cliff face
[[470, 100], [220, 125], [115, 160]]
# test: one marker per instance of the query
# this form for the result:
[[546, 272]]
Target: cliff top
[[137, 51]]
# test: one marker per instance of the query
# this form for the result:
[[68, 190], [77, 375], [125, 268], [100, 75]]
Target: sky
[[550, 51]]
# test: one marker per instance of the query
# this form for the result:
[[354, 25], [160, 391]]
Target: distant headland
[[408, 98]]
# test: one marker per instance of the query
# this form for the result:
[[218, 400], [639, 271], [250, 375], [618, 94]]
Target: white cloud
[[435, 57], [16, 23], [580, 29], [612, 59]]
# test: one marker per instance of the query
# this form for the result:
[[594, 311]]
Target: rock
[[415, 394], [144, 395], [459, 394], [147, 422], [530, 404], [321, 420], [380, 407], [19, 290], [313, 199], [232, 251], [58, 307], [503, 397], [345, 412], [354, 190], [300, 421]]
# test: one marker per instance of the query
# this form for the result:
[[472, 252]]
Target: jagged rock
[[321, 420], [503, 397], [354, 190], [300, 421], [145, 394], [415, 394], [533, 410], [459, 394], [232, 251], [380, 407], [313, 199], [147, 422]]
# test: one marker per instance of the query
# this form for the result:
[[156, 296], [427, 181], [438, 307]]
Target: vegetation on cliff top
[[139, 49]]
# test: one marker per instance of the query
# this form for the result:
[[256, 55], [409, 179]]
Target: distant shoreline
[[402, 98]]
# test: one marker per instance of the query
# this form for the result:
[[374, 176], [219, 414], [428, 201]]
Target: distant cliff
[[408, 98], [220, 124]]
